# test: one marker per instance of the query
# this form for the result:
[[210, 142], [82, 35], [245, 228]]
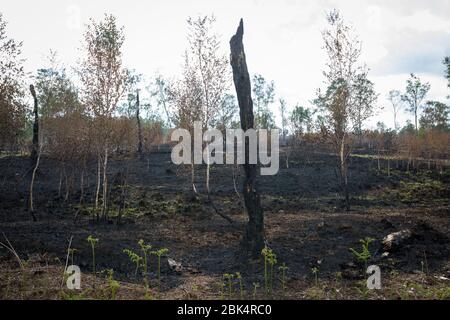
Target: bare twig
[[67, 259], [12, 250], [211, 203]]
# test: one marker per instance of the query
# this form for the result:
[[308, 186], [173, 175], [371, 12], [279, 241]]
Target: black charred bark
[[35, 145], [253, 241]]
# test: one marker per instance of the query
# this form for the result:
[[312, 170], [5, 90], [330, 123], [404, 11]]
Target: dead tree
[[35, 146], [35, 150], [138, 118], [253, 241], [33, 178]]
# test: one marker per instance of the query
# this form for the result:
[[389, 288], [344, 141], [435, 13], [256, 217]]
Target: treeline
[[107, 89], [100, 107]]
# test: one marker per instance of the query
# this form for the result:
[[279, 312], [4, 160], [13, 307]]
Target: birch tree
[[395, 99], [344, 103], [12, 74], [364, 98], [284, 120], [206, 74], [104, 82], [446, 63], [186, 96], [414, 95], [160, 90], [264, 95]]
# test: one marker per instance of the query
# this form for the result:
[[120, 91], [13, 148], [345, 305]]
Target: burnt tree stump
[[35, 145], [253, 241]]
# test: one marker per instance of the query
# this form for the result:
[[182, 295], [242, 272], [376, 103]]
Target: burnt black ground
[[304, 218]]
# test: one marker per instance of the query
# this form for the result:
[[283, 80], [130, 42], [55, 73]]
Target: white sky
[[282, 38]]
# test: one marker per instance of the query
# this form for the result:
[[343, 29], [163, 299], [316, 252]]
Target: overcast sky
[[282, 38]]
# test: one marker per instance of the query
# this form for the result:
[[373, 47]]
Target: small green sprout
[[241, 286], [364, 256], [160, 253], [272, 262], [270, 258], [93, 241], [135, 258], [71, 252], [265, 253], [145, 248], [315, 272], [255, 289], [283, 268], [113, 285], [338, 276], [222, 290], [229, 278]]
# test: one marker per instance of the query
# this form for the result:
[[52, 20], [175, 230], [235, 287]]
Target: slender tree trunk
[[97, 191], [194, 189], [35, 146], [66, 183], [378, 161], [395, 122], [287, 158], [123, 181], [253, 241], [82, 186], [138, 118], [105, 186], [60, 182], [33, 177], [415, 120], [389, 167], [234, 181], [344, 175], [163, 99], [208, 170]]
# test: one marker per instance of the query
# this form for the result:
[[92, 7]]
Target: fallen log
[[394, 240]]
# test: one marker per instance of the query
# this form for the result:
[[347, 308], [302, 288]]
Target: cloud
[[410, 50], [409, 7]]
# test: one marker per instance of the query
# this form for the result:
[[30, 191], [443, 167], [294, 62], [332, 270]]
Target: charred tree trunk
[[82, 185], [138, 118], [253, 241], [33, 177], [378, 160], [343, 159], [35, 146], [389, 166], [122, 182]]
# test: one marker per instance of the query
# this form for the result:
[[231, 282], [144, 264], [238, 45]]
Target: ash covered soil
[[306, 227]]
